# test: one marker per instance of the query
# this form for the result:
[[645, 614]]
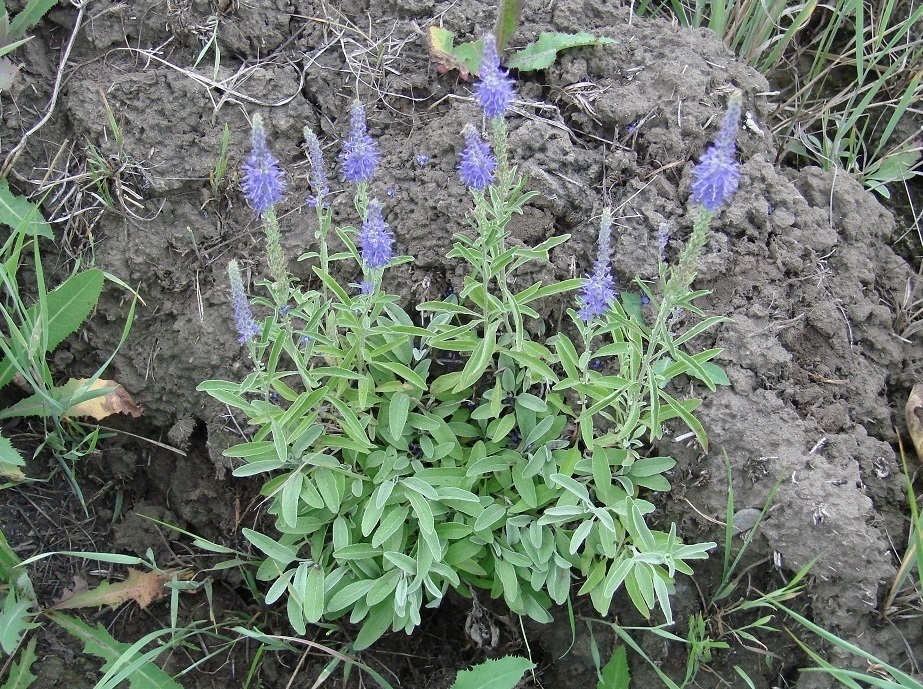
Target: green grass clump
[[850, 77]]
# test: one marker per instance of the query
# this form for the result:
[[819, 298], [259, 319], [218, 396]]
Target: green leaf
[[480, 359], [504, 673], [20, 676], [507, 20], [278, 552], [502, 428], [422, 510], [402, 371], [66, 307], [29, 17], [356, 551], [542, 53], [10, 460], [349, 594], [531, 402], [139, 670], [376, 624], [314, 595], [15, 620], [17, 212], [466, 58], [397, 414], [349, 422], [615, 675], [534, 364], [291, 496]]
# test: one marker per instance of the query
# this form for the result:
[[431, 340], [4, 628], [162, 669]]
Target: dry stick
[[13, 155]]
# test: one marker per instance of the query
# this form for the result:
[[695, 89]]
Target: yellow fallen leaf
[[142, 587], [11, 472], [914, 414], [117, 401]]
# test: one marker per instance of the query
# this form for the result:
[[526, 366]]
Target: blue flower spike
[[715, 178], [359, 157], [247, 327], [264, 180], [495, 90], [376, 240], [317, 178], [478, 163], [598, 292]]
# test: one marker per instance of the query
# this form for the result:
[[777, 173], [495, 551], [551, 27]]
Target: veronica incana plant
[[409, 455]]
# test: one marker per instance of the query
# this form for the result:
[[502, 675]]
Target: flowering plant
[[409, 456]]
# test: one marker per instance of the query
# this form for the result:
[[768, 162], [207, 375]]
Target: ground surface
[[803, 262]]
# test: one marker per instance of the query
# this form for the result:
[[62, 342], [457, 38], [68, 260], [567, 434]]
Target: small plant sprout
[[220, 170]]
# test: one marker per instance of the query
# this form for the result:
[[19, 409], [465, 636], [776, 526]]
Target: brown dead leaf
[[440, 44], [80, 586], [914, 414], [141, 587], [117, 401]]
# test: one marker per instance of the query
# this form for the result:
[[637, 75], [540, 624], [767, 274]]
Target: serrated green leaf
[[503, 673], [15, 620], [20, 676], [10, 460], [66, 307], [20, 214], [616, 675], [542, 53], [143, 674], [29, 17]]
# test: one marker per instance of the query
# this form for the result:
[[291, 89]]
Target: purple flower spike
[[663, 238], [318, 176], [376, 239], [598, 292], [359, 157], [495, 89], [243, 317], [477, 162], [264, 180], [715, 178]]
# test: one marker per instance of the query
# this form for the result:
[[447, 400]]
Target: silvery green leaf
[[397, 413], [273, 549], [349, 594]]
